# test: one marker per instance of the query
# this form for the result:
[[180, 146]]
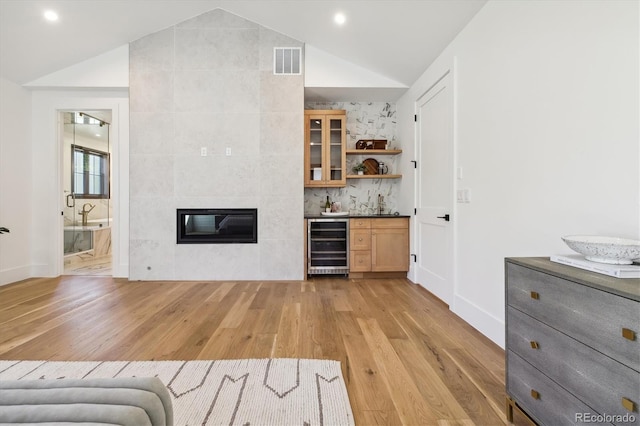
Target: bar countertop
[[353, 216]]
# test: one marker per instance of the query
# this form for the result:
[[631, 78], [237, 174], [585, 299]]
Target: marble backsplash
[[365, 120]]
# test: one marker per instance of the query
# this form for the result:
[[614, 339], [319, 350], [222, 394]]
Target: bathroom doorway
[[86, 178]]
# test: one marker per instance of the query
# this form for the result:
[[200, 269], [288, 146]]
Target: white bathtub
[[93, 238], [92, 225]]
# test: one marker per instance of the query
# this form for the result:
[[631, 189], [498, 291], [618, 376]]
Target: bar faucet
[[85, 213], [380, 204]]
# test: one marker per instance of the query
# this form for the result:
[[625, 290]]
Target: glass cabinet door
[[325, 154], [316, 152], [336, 155]]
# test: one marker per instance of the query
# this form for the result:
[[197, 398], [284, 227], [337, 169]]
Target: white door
[[434, 190]]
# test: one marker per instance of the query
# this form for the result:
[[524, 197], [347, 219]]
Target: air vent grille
[[287, 60]]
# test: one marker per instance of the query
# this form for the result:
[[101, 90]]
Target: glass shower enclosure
[[86, 181]]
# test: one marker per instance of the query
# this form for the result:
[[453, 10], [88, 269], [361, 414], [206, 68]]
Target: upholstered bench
[[131, 401]]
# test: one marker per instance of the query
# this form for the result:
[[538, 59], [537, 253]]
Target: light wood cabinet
[[390, 245], [379, 245], [325, 148], [360, 245]]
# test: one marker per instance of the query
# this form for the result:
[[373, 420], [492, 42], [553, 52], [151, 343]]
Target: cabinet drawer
[[545, 401], [591, 316], [594, 378], [359, 223], [401, 222], [360, 239], [360, 261]]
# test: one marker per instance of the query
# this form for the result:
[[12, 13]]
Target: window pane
[[90, 173]]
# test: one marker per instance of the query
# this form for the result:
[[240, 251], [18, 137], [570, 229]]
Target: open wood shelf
[[374, 151], [374, 176]]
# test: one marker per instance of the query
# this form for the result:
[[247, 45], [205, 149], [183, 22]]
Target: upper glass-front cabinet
[[325, 154]]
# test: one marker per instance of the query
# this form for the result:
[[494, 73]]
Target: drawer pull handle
[[628, 404], [534, 344], [535, 394], [359, 239], [628, 334], [535, 295]]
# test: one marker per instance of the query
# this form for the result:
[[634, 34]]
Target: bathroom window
[[90, 174]]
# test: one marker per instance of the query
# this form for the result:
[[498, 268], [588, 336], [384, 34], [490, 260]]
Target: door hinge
[[415, 117], [415, 211], [415, 164], [415, 257], [62, 213]]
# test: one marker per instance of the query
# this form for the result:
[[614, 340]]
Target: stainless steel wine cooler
[[328, 246]]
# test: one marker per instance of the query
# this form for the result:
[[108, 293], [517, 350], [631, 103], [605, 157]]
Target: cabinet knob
[[534, 344], [535, 295], [535, 394], [359, 239], [628, 404], [628, 334]]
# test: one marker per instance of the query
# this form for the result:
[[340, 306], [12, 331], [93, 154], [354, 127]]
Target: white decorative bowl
[[617, 251]]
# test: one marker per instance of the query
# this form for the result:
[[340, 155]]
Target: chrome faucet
[[85, 213]]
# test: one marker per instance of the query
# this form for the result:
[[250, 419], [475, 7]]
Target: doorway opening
[[86, 179]]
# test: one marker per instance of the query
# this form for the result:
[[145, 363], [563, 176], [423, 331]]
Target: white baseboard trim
[[8, 276], [42, 270], [480, 319], [122, 271]]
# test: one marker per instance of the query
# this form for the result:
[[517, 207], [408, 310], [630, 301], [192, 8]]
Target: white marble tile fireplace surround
[[208, 83]]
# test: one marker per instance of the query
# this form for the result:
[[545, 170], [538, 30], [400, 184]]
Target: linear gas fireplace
[[217, 226]]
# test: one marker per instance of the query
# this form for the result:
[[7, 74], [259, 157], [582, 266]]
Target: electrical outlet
[[227, 152], [203, 151]]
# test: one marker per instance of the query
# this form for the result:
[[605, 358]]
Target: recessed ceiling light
[[339, 18], [50, 16]]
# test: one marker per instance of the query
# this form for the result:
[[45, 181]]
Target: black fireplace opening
[[217, 226]]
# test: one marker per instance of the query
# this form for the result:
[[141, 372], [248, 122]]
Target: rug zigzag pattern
[[278, 391]]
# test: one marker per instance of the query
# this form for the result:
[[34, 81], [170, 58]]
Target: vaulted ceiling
[[396, 39]]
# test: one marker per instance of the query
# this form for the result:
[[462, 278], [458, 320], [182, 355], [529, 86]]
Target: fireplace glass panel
[[213, 226]]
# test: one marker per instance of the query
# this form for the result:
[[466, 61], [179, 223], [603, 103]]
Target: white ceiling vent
[[287, 60]]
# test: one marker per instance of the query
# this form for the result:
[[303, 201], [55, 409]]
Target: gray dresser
[[572, 344]]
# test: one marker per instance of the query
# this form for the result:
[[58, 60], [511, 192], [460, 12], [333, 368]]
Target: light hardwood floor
[[406, 358]]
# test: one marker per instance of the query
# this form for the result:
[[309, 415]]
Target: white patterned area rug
[[232, 392]]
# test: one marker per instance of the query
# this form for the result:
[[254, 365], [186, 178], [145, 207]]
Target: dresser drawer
[[566, 360], [545, 401], [359, 239], [360, 261], [594, 317], [359, 223], [401, 222]]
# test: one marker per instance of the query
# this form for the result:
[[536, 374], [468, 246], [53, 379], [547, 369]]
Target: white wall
[[547, 133], [110, 69], [15, 181], [46, 192]]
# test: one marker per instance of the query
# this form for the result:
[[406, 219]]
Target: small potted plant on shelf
[[359, 168]]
